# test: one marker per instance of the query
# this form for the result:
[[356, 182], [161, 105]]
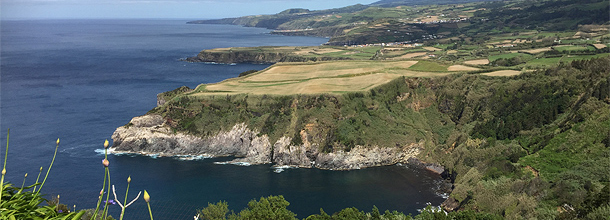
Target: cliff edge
[[150, 134]]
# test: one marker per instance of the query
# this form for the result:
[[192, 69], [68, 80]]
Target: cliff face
[[237, 57], [149, 134], [254, 57]]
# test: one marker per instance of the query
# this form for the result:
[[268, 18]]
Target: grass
[[574, 48], [429, 66], [507, 56], [324, 77], [555, 60]]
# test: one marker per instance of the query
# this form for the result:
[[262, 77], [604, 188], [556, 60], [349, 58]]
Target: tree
[[216, 211], [272, 207]]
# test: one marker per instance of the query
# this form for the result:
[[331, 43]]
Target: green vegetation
[[401, 21], [523, 133], [429, 66], [518, 146], [245, 73], [275, 207], [25, 202]]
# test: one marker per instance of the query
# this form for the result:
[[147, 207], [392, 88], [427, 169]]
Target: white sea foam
[[112, 151], [192, 157], [245, 164], [279, 169], [433, 209]]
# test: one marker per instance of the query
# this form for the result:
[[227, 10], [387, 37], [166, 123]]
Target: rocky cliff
[[254, 57], [237, 57], [150, 134]]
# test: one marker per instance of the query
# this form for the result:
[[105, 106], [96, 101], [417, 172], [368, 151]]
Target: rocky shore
[[150, 134]]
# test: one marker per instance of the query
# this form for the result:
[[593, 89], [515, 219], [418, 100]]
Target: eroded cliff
[[149, 134]]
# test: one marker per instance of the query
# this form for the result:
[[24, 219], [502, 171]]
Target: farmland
[[316, 78]]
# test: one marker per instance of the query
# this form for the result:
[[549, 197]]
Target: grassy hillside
[[521, 146], [513, 99], [419, 21]]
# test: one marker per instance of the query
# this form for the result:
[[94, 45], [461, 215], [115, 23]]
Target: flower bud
[[129, 179], [105, 162], [57, 141], [40, 169], [57, 196], [106, 144], [3, 172], [101, 192], [146, 196], [26, 175]]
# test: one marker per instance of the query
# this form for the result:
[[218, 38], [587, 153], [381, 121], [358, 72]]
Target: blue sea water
[[78, 80]]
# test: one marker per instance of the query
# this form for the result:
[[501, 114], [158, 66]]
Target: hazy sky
[[31, 9]]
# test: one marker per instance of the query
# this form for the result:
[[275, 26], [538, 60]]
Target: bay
[[78, 80]]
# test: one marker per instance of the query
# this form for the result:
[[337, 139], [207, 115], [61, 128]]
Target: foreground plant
[[123, 207], [50, 166], [15, 203], [4, 166], [147, 199], [106, 163]]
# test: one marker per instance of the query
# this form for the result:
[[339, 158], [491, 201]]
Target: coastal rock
[[286, 155], [362, 157], [450, 204], [308, 156], [150, 134], [237, 57], [255, 57], [429, 166]]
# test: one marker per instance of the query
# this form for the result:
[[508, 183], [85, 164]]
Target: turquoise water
[[78, 80]]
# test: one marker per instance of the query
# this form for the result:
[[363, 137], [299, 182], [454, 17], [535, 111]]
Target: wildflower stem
[[106, 174], [37, 178], [149, 211], [107, 196], [4, 167], [49, 170], [101, 195], [23, 184], [126, 192]]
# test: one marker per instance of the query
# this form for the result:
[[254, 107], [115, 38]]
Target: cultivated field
[[535, 51], [323, 77], [461, 68], [411, 55], [503, 73], [600, 46], [477, 62]]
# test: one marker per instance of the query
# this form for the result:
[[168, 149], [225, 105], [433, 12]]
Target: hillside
[[510, 104], [418, 21], [538, 140]]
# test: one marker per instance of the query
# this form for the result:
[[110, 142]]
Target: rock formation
[[149, 134]]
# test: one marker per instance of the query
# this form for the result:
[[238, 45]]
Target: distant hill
[[274, 21], [416, 21], [394, 3]]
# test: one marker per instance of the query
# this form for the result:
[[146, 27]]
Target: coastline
[[151, 135]]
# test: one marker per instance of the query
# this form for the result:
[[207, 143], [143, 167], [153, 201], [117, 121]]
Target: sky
[[189, 9]]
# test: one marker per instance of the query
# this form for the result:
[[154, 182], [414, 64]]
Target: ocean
[[78, 80]]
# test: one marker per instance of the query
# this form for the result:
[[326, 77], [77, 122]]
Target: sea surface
[[78, 80]]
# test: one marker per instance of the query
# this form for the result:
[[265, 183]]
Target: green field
[[429, 66], [508, 56], [575, 48], [556, 60]]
